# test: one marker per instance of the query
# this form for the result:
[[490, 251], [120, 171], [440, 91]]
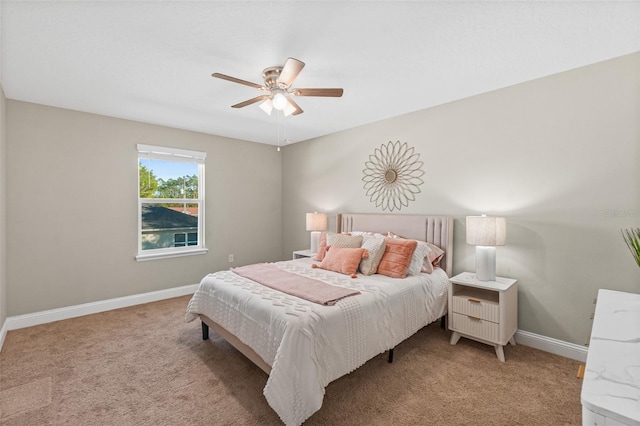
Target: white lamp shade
[[486, 231], [279, 101], [267, 106], [316, 222]]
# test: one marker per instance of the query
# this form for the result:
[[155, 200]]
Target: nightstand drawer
[[479, 304], [477, 327]]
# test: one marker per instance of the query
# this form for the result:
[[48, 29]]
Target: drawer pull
[[472, 300], [474, 318]]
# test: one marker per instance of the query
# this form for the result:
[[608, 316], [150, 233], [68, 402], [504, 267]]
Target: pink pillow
[[431, 259], [397, 257], [322, 248], [344, 260]]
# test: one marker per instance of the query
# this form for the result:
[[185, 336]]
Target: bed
[[302, 345]]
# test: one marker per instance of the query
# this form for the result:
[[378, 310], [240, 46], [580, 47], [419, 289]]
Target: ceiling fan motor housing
[[271, 76]]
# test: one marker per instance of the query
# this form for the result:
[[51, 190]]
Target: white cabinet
[[611, 386], [589, 418], [486, 311]]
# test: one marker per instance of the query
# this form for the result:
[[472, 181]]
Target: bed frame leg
[[443, 322], [205, 331], [390, 355]]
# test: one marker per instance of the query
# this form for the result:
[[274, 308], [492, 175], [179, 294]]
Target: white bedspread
[[309, 345]]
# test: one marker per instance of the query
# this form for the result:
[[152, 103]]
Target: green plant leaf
[[631, 237]]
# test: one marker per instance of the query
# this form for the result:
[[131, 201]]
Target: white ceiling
[[152, 61]]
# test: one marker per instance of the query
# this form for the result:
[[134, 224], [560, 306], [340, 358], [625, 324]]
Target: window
[[170, 202]]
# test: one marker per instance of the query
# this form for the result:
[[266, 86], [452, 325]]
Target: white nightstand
[[301, 254], [486, 311]]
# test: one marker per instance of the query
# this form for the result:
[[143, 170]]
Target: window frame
[[151, 152]]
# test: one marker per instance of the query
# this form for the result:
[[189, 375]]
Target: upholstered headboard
[[436, 230]]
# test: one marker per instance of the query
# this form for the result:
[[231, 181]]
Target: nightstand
[[301, 254], [486, 311]]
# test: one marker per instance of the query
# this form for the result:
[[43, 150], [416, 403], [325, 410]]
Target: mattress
[[308, 345]]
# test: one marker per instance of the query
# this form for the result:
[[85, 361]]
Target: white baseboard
[[43, 317], [554, 346], [547, 344], [3, 333]]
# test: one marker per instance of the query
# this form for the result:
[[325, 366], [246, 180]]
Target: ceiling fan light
[[267, 106], [280, 101]]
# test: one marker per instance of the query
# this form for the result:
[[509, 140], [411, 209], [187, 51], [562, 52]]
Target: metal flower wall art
[[393, 175]]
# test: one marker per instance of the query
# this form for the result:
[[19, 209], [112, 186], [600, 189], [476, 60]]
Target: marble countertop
[[611, 385]]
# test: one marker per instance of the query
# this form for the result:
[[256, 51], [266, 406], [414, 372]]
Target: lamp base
[[315, 241], [486, 263]]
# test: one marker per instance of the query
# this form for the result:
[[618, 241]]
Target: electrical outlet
[[230, 258]]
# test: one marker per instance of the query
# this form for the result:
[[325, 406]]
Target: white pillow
[[344, 240], [375, 247], [417, 259]]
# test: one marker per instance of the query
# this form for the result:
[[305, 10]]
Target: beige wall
[[3, 210], [3, 204], [72, 207], [559, 157]]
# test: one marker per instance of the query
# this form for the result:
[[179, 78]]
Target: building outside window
[[183, 239], [170, 202]]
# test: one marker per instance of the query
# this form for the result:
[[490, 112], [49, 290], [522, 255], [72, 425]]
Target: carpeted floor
[[145, 366]]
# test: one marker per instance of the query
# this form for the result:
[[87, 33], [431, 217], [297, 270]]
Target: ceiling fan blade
[[236, 80], [290, 71], [250, 101], [296, 106], [333, 93]]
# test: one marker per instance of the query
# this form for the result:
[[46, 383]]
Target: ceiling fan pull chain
[[278, 126]]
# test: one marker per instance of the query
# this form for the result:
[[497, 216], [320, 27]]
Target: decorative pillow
[[426, 264], [375, 247], [322, 247], [332, 239], [344, 260], [363, 233], [344, 240], [433, 258], [397, 257], [418, 258]]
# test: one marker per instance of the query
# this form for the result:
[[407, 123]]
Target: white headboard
[[436, 230]]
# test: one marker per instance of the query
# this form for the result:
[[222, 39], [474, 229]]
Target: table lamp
[[485, 233], [316, 222]]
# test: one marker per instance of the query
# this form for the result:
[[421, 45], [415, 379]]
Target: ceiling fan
[[277, 85]]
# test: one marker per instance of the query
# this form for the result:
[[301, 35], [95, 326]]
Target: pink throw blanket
[[294, 284]]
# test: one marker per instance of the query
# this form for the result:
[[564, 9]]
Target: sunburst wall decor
[[393, 175]]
